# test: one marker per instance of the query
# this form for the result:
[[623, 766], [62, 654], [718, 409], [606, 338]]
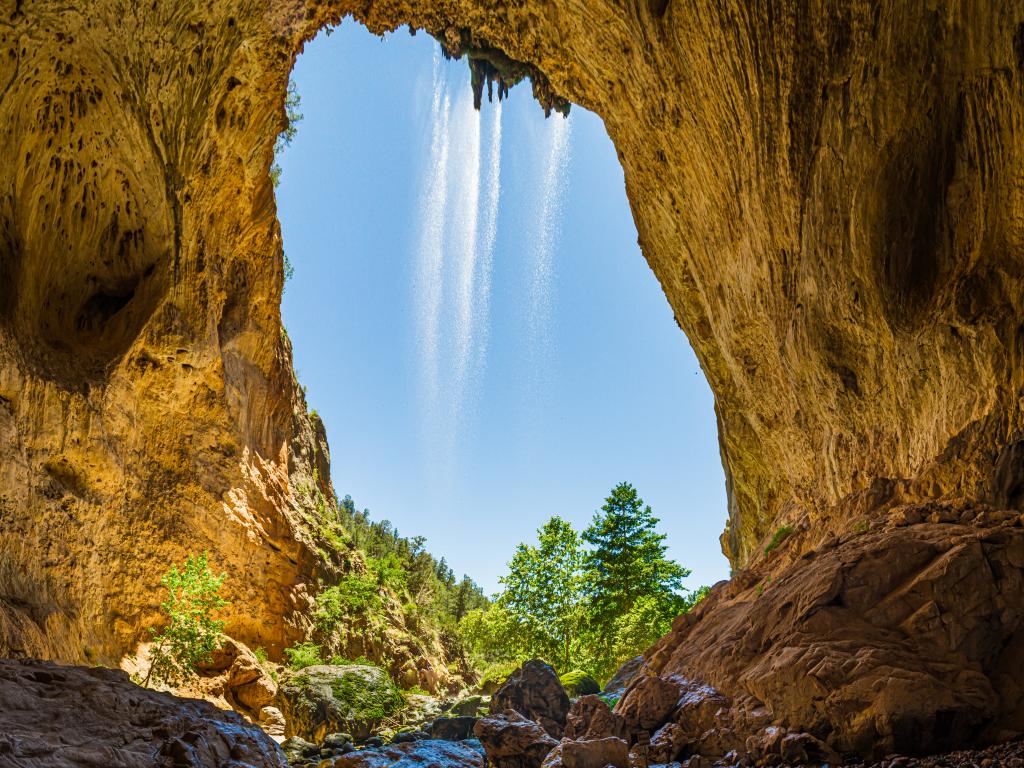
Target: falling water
[[549, 218], [458, 233], [432, 231], [463, 209], [492, 193]]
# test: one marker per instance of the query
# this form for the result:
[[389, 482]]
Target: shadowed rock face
[[829, 192], [65, 717]]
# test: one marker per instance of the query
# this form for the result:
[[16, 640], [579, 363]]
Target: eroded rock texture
[[57, 717], [831, 194]]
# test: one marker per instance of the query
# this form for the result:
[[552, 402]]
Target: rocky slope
[[58, 716], [829, 192]]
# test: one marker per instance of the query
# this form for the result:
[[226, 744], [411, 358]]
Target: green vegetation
[[192, 634], [780, 535], [303, 655], [583, 601], [384, 569], [292, 102], [367, 702]]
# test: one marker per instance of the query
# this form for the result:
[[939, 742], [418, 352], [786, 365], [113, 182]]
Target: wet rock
[[593, 753], [295, 748], [452, 728], [513, 741], [321, 699], [53, 715], [590, 718], [340, 741], [535, 692], [418, 754]]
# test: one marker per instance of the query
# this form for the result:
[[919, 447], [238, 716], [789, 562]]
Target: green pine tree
[[627, 571]]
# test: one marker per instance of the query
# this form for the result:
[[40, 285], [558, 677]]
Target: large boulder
[[325, 698], [594, 753], [535, 692], [63, 717], [452, 728], [513, 741], [590, 717], [648, 702]]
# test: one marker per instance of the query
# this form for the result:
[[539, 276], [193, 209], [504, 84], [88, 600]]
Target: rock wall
[[831, 194]]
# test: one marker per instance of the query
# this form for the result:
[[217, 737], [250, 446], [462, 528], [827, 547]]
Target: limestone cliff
[[831, 194]]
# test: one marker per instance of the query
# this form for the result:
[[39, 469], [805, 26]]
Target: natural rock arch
[[829, 192]]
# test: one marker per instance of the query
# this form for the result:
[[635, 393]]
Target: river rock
[[452, 728], [513, 741], [418, 754], [592, 753]]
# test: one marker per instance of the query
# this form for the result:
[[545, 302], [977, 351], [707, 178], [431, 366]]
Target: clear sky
[[472, 317]]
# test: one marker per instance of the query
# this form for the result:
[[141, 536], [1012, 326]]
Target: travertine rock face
[[831, 194]]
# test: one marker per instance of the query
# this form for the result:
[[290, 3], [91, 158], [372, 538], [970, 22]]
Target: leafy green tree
[[543, 590], [192, 634], [634, 589]]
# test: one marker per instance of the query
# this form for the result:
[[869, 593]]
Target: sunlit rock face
[[831, 194]]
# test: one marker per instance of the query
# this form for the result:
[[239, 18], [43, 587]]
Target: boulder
[[415, 754], [579, 684], [322, 699], [535, 692], [624, 675], [296, 748], [52, 715], [470, 706], [257, 693], [272, 721], [452, 728], [594, 753], [512, 741], [648, 702], [590, 718]]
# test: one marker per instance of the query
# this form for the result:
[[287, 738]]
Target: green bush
[[495, 675], [352, 596], [192, 634], [780, 535], [303, 655], [341, 661]]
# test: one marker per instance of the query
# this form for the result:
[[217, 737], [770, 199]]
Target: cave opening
[[471, 316]]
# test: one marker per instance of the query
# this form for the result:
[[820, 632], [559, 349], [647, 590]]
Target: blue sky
[[472, 317]]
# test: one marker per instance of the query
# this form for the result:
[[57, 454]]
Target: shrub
[[192, 634], [303, 655], [780, 535], [352, 596]]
